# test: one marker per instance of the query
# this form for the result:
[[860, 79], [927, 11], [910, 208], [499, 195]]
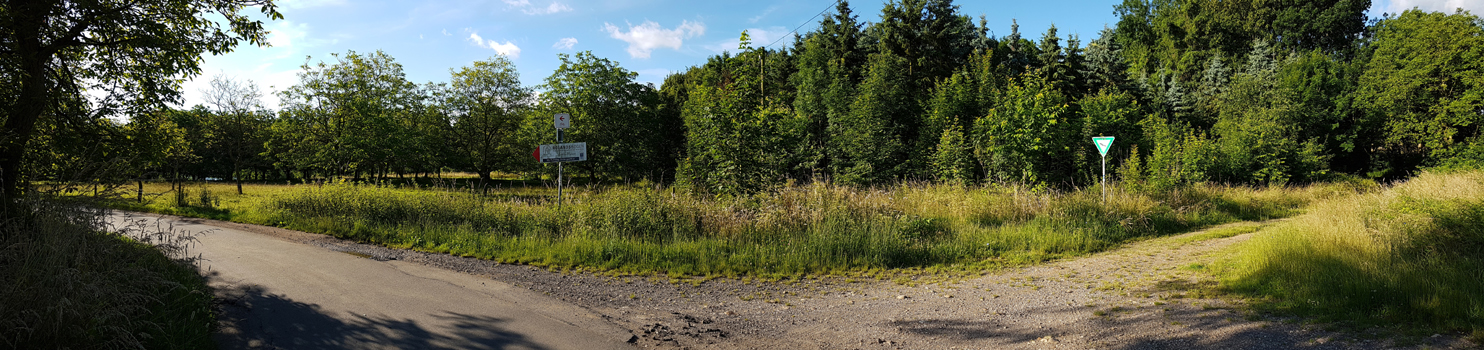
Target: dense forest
[[1245, 91]]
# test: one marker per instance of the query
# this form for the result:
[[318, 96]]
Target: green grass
[[64, 284], [1410, 256], [797, 230]]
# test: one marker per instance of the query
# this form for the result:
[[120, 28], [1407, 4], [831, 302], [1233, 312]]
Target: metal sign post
[[1104, 143], [562, 121]]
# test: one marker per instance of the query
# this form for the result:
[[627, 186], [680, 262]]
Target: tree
[[1110, 112], [237, 126], [356, 116], [135, 52], [739, 139], [953, 159], [484, 105], [1257, 135], [611, 112], [828, 70], [1025, 136], [1104, 67], [871, 145], [1424, 84], [1324, 88]]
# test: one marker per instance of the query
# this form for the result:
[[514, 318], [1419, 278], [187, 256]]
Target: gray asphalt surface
[[278, 294]]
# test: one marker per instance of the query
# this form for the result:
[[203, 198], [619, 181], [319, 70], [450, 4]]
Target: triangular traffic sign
[[1103, 142]]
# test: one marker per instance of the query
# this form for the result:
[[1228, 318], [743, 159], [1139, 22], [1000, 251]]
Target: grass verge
[[66, 284], [1410, 256], [797, 230]]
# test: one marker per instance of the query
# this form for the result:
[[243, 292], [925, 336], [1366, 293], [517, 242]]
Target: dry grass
[[66, 284], [1411, 254], [796, 229]]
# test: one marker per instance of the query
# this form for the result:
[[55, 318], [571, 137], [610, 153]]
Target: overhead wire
[[801, 26]]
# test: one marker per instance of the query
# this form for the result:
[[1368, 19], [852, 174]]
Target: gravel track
[[1137, 297]]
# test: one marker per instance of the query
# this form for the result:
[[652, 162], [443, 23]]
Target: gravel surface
[[1140, 296]]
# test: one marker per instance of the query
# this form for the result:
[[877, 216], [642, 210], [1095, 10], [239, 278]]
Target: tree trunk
[[484, 180], [26, 109]]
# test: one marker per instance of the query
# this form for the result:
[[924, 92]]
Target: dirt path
[[1136, 297], [277, 294]]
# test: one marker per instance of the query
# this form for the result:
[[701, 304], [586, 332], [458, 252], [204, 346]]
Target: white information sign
[[562, 120], [562, 152]]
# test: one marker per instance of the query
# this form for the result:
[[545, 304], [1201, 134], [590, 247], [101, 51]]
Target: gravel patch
[[1140, 296]]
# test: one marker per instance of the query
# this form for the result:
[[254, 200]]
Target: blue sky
[[651, 37]]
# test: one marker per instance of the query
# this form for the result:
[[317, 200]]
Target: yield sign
[[1103, 142]]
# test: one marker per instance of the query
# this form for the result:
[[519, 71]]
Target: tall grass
[[66, 284], [814, 228], [1411, 254]]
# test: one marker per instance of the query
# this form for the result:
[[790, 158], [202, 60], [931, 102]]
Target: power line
[[811, 20]]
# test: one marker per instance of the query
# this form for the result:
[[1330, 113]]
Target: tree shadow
[[1202, 330], [253, 318]]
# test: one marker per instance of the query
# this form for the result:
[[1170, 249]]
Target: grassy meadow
[[792, 231], [1411, 254]]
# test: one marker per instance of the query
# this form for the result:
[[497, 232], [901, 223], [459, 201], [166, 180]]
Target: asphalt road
[[278, 294]]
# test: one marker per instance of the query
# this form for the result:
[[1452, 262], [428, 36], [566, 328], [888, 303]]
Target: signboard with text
[[562, 152]]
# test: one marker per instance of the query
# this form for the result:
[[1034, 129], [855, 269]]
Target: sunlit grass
[[795, 230], [1410, 255]]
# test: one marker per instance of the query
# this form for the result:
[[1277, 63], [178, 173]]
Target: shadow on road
[[253, 318], [1149, 327]]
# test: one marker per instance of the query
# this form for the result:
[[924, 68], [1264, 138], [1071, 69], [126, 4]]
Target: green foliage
[[953, 159], [132, 54], [230, 138], [1132, 174], [740, 138], [612, 113], [828, 69], [1026, 137], [355, 116], [483, 106], [1322, 87], [1110, 112], [1424, 84], [1258, 137], [1177, 154], [869, 140]]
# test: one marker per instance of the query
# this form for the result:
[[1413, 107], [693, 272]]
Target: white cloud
[[526, 7], [508, 49], [765, 14], [759, 38], [304, 4], [553, 8], [1445, 6], [565, 43], [648, 36], [445, 33], [285, 33]]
